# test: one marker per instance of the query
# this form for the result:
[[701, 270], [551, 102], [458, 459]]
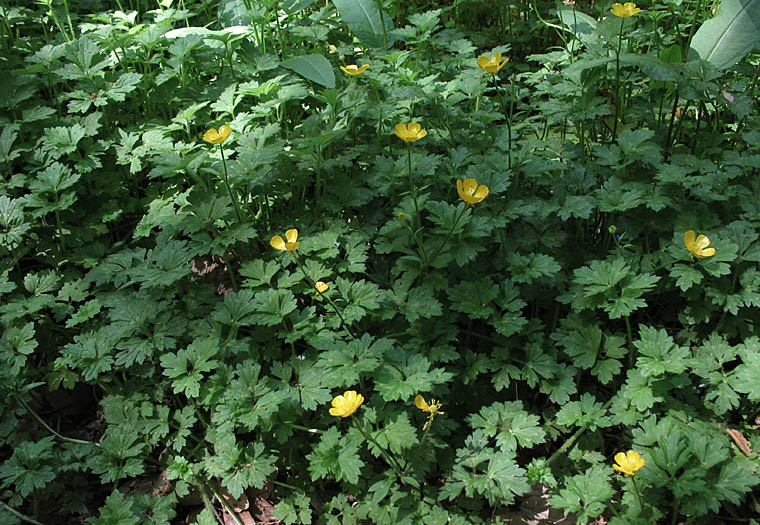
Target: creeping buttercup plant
[[378, 262]]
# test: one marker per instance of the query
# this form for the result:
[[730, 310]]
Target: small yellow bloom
[[347, 404], [698, 247], [410, 133], [433, 408], [470, 192], [629, 462], [321, 287], [624, 10], [217, 137], [354, 70], [493, 64], [291, 235]]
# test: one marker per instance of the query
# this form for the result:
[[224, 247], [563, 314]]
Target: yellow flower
[[410, 133], [354, 70], [433, 408], [217, 137], [624, 10], [629, 462], [698, 247], [345, 405], [291, 235], [321, 287], [470, 192], [493, 64]]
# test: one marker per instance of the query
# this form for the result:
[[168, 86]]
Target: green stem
[[307, 429], [638, 496], [229, 189], [388, 458], [567, 444], [334, 306], [224, 503], [630, 341], [47, 427], [19, 515], [618, 102], [448, 235], [412, 187], [508, 116]]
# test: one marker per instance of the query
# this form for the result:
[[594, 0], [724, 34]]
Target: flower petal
[[688, 239], [470, 185], [481, 193], [414, 128], [483, 62], [277, 243], [291, 235], [703, 241], [420, 403]]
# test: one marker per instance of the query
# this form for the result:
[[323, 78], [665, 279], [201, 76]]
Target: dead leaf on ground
[[740, 441]]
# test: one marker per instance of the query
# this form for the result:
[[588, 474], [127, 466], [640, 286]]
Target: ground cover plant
[[363, 261]]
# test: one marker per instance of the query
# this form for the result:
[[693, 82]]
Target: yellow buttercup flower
[[433, 408], [628, 463], [279, 244], [493, 64], [470, 192], [354, 70], [321, 287], [411, 133], [217, 137], [347, 404], [698, 246], [624, 10]]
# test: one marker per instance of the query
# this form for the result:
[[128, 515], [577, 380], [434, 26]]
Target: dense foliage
[[367, 262]]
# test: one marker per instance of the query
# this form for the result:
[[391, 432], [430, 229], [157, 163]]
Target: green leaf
[[747, 375], [405, 375], [730, 35], [585, 494], [363, 18], [186, 367], [294, 508], [658, 353], [686, 276], [271, 306], [116, 511], [259, 273], [580, 24], [587, 412], [30, 467], [510, 424], [336, 455], [312, 67]]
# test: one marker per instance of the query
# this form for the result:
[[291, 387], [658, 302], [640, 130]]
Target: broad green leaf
[[312, 67], [363, 19], [730, 35], [580, 24]]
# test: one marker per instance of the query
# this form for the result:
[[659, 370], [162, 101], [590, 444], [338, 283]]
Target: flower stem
[[229, 189], [618, 104], [448, 235], [387, 457], [638, 496], [630, 341], [334, 306], [47, 427], [19, 515], [508, 117], [225, 504], [412, 187]]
